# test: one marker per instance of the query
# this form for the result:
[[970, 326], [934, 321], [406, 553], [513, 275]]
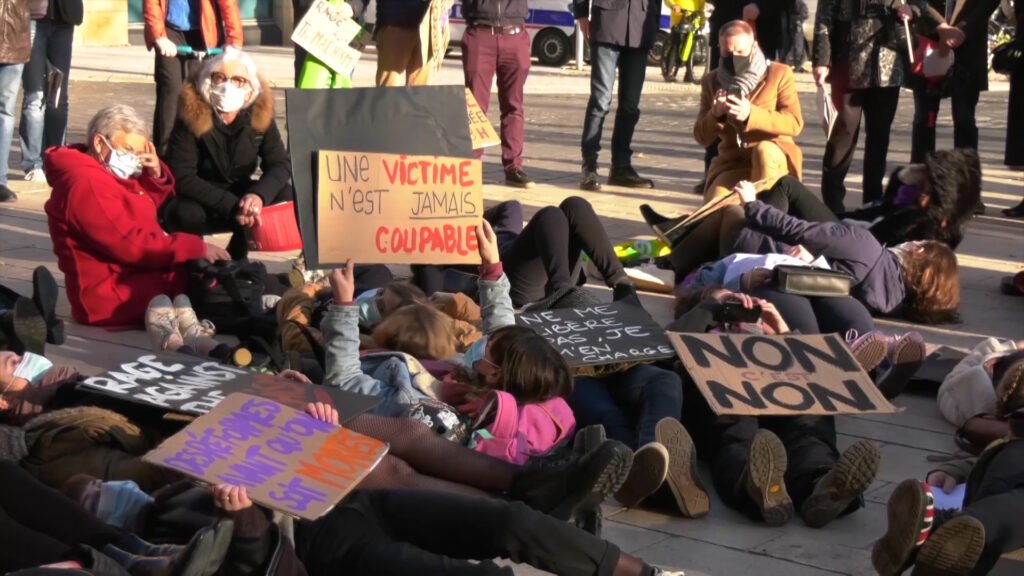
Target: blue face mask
[[120, 503], [32, 367], [474, 354], [369, 313]]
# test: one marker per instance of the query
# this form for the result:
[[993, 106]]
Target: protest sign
[[285, 459], [327, 33], [397, 209], [189, 385], [423, 120], [778, 375], [481, 131], [602, 334]]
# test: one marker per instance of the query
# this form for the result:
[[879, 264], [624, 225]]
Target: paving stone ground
[[724, 543]]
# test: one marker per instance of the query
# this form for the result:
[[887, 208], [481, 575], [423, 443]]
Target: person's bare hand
[[230, 498], [720, 105], [751, 12], [726, 296], [800, 253], [249, 208], [951, 36], [215, 253], [820, 74], [343, 282], [150, 162], [487, 244], [940, 479], [323, 412], [166, 48], [739, 108], [905, 12], [584, 28], [295, 376], [746, 191], [345, 10], [771, 318]]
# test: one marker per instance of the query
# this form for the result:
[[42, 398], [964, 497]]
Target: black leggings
[[39, 525], [792, 197], [382, 532], [819, 315]]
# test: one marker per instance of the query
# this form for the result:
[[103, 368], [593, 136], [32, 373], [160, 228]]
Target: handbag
[[230, 294], [804, 281], [1007, 57]]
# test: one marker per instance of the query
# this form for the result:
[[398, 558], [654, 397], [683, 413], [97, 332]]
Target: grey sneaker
[[189, 325], [650, 468], [162, 324]]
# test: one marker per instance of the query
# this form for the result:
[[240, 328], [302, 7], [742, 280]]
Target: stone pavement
[[725, 543]]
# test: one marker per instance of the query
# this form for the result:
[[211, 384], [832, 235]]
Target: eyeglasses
[[236, 81]]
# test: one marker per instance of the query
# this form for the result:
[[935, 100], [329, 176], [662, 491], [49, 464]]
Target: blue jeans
[[632, 66], [10, 83], [628, 404], [43, 125]]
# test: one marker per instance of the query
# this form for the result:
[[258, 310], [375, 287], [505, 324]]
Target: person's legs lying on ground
[[1000, 516], [592, 402], [587, 235], [732, 438], [790, 195], [841, 314], [768, 163], [709, 240], [795, 310], [537, 261], [24, 547]]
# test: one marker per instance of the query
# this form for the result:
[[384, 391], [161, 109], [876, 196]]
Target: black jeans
[[997, 501], [819, 315], [964, 96], [39, 525], [792, 197], [170, 75], [181, 214], [404, 532], [879, 108]]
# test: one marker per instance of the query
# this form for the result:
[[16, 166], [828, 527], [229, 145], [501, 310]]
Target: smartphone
[[733, 312]]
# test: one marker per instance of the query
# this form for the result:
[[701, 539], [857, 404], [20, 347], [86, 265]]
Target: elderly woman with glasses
[[225, 130]]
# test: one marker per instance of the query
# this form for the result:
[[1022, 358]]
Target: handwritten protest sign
[[331, 36], [778, 375], [603, 334], [481, 131], [285, 459], [180, 383], [395, 209]]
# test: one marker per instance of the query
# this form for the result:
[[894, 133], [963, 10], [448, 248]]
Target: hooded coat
[[108, 242], [214, 163]]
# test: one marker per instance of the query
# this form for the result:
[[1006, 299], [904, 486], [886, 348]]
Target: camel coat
[[774, 117]]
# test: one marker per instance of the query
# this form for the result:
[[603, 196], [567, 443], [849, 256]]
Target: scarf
[[748, 80]]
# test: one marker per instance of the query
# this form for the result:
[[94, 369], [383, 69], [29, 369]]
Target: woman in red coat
[[103, 221]]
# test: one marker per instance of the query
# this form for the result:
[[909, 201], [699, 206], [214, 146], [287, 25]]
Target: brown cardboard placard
[[286, 459], [481, 131], [329, 36], [785, 375], [397, 209]]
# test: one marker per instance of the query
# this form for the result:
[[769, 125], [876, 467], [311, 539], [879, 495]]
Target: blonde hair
[[419, 330]]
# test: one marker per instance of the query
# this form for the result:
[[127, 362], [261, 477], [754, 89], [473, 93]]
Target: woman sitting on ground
[[225, 131], [102, 215], [917, 280]]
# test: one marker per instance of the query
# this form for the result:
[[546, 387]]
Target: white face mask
[[227, 97], [122, 164]]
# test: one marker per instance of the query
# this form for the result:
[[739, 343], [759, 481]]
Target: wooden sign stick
[[906, 26]]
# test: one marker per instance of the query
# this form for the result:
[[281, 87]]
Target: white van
[[550, 26]]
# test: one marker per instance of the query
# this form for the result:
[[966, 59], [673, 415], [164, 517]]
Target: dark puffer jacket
[[403, 13]]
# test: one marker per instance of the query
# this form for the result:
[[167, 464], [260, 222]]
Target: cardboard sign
[[284, 458], [189, 385], [481, 131], [778, 375], [603, 334], [330, 36], [397, 209]]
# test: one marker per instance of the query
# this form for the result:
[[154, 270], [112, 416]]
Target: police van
[[550, 25]]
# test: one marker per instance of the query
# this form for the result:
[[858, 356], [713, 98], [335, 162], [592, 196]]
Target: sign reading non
[[330, 35], [194, 386], [395, 209], [481, 131], [778, 375], [602, 334], [285, 459]]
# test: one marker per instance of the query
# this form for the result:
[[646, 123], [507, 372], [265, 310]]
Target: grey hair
[[216, 64], [116, 118]]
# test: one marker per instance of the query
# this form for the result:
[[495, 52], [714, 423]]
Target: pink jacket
[[519, 433]]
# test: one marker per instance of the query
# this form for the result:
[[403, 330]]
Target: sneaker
[[627, 177], [764, 478], [683, 479], [589, 180], [35, 175], [189, 325], [844, 483], [517, 178], [953, 549], [1010, 389], [648, 473], [6, 194], [869, 349], [911, 515], [558, 491], [904, 357], [162, 324]]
